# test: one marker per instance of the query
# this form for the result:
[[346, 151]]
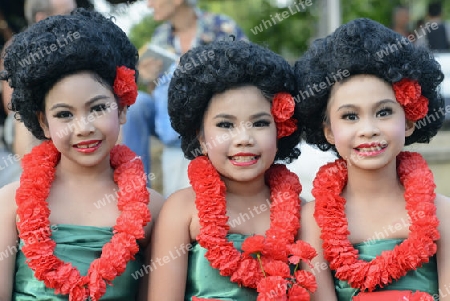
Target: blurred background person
[[400, 20], [185, 26], [438, 39]]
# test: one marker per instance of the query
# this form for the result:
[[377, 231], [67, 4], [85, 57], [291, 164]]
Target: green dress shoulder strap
[[203, 281], [79, 245], [424, 279]]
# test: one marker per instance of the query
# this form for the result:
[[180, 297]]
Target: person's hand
[[149, 69]]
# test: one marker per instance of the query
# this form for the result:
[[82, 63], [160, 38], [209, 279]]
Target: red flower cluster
[[391, 265], [33, 212], [269, 272], [125, 86], [283, 106], [278, 283], [409, 94]]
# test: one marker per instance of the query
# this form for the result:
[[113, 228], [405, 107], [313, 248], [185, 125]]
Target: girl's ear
[[44, 124], [123, 115], [201, 140], [328, 132], [409, 127]]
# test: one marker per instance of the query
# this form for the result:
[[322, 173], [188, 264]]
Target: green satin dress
[[205, 282], [424, 279], [79, 245]]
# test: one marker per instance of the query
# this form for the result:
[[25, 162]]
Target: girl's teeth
[[88, 145], [372, 149], [243, 158]]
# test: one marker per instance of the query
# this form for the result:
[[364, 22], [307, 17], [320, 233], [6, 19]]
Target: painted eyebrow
[[88, 103], [379, 103], [254, 116]]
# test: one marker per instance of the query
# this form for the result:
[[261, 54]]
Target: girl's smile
[[244, 159], [243, 116], [370, 149], [82, 123], [88, 146], [365, 122]]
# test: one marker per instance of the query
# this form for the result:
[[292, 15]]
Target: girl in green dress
[[381, 231], [236, 115], [77, 224]]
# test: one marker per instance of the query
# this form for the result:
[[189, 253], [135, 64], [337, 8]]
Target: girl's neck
[[365, 185], [70, 171], [248, 189]]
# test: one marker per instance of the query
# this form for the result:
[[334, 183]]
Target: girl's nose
[[243, 136], [368, 128]]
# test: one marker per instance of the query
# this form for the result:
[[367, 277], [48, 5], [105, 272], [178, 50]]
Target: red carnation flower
[[125, 86], [408, 94], [298, 293], [301, 250], [283, 106], [277, 268], [306, 279], [286, 128], [253, 244], [272, 288]]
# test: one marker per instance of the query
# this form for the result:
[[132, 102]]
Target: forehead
[[360, 89], [236, 99], [75, 88]]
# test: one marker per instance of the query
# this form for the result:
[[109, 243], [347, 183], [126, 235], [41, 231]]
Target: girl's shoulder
[[8, 196], [155, 203], [183, 199], [180, 208]]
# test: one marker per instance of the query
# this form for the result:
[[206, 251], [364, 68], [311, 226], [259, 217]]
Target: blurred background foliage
[[289, 37], [292, 36]]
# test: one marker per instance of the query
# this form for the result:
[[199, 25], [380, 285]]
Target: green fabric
[[79, 245], [205, 282], [424, 279]]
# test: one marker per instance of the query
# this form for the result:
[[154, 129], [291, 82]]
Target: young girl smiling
[[236, 116], [75, 99], [367, 118]]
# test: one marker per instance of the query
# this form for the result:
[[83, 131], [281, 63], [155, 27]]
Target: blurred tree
[[291, 31], [142, 32], [286, 29], [258, 19], [380, 11]]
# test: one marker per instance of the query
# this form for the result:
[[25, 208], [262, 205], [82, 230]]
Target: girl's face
[[365, 122], [239, 133], [82, 118]]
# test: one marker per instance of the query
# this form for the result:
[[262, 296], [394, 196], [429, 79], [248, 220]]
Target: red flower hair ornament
[[125, 85], [409, 94], [283, 106]]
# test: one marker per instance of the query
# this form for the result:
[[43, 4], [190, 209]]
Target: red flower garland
[[391, 265], [125, 86], [275, 248], [34, 224], [409, 94], [283, 106]]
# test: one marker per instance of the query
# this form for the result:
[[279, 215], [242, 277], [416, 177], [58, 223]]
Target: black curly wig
[[231, 64], [364, 46], [59, 46]]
